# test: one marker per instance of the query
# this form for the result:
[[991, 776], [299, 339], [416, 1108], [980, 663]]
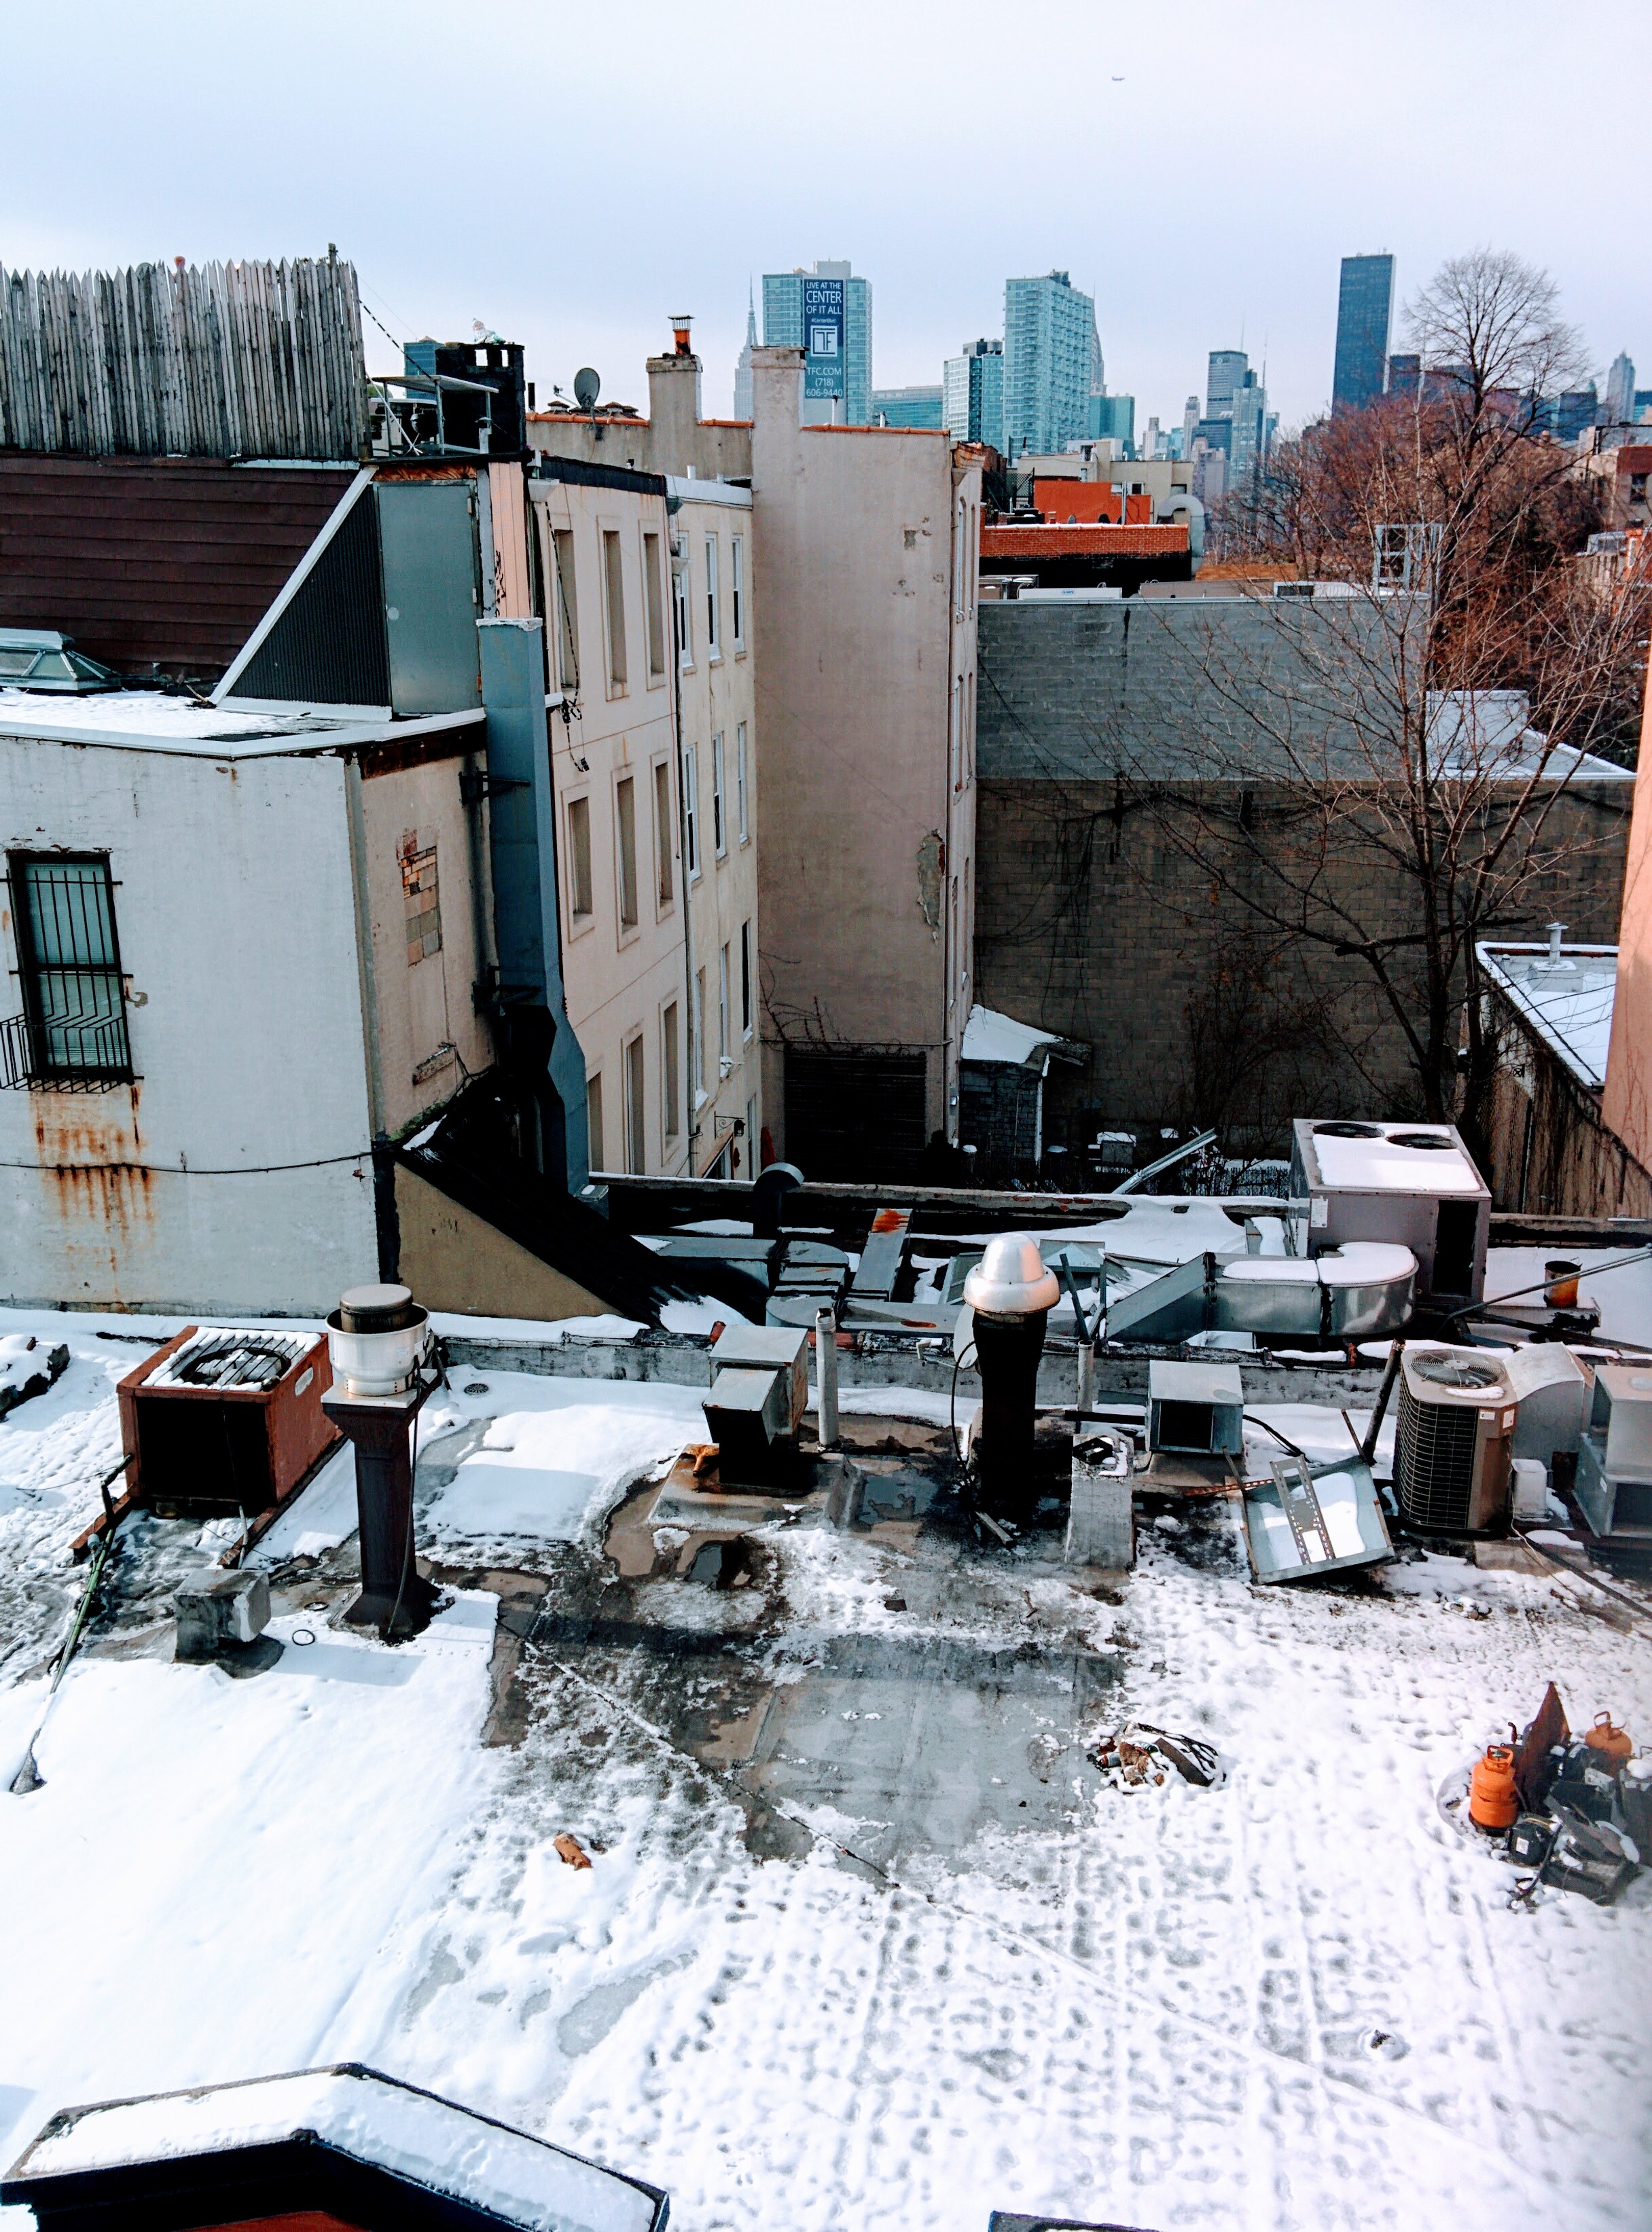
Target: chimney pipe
[[379, 1340], [1556, 932], [681, 321], [1011, 1296]]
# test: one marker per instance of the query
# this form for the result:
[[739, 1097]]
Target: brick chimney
[[674, 402]]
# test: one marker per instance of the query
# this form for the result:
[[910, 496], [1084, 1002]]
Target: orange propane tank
[[1493, 1802], [1603, 1738]]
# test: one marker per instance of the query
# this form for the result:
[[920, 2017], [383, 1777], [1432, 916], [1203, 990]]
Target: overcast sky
[[571, 175]]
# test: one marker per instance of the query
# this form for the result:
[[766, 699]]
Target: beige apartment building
[[604, 550], [868, 588], [711, 573], [860, 565]]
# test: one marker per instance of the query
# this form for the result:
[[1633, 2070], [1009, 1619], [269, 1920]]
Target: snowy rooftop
[[1567, 1003], [988, 1036], [149, 720], [865, 1939]]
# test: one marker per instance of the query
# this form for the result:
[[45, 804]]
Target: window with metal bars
[[72, 1033]]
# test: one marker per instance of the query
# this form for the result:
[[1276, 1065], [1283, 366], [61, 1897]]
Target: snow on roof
[[149, 720], [1485, 735], [1568, 1004], [988, 1036], [373, 2119]]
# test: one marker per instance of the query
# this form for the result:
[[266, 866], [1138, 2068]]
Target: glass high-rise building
[[783, 329], [972, 394], [1365, 313], [907, 406], [1227, 370], [1049, 353]]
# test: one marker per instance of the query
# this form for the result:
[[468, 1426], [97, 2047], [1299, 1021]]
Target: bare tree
[[1387, 776]]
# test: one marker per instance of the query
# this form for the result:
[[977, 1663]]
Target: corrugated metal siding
[[220, 361], [328, 645], [146, 561]]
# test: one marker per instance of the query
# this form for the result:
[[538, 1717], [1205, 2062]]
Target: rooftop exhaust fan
[[1452, 1442]]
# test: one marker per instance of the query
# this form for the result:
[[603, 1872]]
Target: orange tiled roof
[[1103, 541]]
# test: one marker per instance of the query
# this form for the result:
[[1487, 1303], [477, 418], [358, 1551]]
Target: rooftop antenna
[[587, 388]]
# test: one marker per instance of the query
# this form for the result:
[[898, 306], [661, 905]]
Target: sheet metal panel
[[427, 534]]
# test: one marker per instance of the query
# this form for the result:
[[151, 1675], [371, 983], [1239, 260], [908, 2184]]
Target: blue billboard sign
[[823, 337]]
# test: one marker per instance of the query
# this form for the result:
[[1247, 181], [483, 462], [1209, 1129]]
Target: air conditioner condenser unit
[[1452, 1442], [1415, 1186]]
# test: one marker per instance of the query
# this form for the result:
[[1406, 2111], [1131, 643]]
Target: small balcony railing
[[65, 1054]]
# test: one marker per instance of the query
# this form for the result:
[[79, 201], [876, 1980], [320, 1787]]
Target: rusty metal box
[[226, 1420]]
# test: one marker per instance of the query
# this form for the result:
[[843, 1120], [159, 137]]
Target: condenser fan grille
[[1455, 1372]]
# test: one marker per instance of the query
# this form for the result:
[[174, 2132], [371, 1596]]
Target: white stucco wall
[[237, 927], [717, 695], [619, 981]]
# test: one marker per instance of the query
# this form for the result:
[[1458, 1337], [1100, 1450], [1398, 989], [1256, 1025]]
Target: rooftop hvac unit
[[1415, 1184], [1614, 1457], [224, 1420], [760, 1390], [1451, 1446], [1194, 1409]]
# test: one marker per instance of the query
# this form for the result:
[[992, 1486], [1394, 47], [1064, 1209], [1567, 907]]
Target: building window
[[698, 1027], [743, 811], [737, 591], [581, 906], [753, 1144], [681, 614], [614, 583], [421, 897], [594, 1156], [625, 839], [567, 610], [745, 980], [670, 1075], [691, 809], [635, 1109], [719, 818], [74, 1011], [662, 833], [653, 598], [724, 1059], [713, 640]]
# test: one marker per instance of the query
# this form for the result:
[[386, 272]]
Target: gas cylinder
[[1493, 1803], [1616, 1745]]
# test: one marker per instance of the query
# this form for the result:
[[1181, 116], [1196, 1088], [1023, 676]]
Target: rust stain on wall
[[92, 1161]]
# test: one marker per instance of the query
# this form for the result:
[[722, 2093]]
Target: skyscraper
[[1050, 353], [742, 368], [1227, 370], [783, 329], [972, 394], [1365, 313], [1620, 390]]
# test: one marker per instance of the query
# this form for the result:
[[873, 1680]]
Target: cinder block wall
[[1091, 922]]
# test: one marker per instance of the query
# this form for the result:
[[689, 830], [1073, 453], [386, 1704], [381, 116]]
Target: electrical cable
[[173, 1170], [958, 1356], [1251, 1420]]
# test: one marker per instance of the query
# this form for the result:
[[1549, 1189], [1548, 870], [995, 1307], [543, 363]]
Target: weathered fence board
[[217, 360]]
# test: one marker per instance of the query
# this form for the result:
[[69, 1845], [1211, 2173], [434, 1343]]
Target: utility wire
[[173, 1170]]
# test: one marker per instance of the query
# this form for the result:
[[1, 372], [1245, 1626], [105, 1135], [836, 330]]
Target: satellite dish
[[587, 388]]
